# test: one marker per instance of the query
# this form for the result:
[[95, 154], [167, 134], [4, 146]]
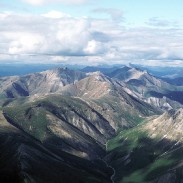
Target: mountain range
[[119, 125]]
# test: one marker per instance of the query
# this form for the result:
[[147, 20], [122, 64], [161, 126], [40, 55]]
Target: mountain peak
[[57, 70], [127, 73], [175, 116], [65, 73], [178, 114]]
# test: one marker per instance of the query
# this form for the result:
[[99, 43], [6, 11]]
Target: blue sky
[[93, 31], [136, 12]]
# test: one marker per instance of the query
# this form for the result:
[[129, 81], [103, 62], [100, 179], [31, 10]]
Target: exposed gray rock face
[[163, 103], [168, 126], [148, 88], [41, 83]]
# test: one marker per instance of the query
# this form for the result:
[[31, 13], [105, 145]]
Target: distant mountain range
[[117, 124]]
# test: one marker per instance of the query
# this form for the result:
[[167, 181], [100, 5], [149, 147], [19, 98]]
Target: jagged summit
[[148, 88], [168, 126], [45, 82], [127, 73], [99, 76], [95, 85], [176, 116], [64, 73]]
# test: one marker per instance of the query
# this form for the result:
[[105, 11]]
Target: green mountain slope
[[24, 159], [150, 152]]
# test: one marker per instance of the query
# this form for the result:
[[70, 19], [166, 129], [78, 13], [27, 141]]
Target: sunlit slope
[[50, 81], [150, 152], [149, 88]]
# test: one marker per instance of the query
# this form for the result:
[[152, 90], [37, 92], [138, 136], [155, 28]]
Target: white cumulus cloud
[[55, 36]]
